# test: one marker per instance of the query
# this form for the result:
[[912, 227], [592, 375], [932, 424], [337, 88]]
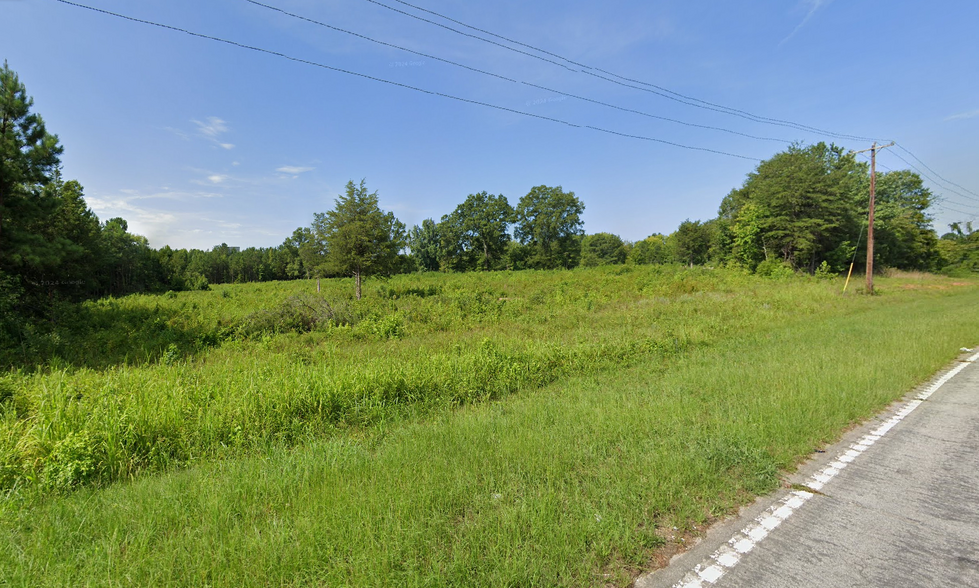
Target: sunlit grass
[[659, 406]]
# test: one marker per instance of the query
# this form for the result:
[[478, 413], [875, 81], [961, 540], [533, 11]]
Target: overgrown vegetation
[[413, 437]]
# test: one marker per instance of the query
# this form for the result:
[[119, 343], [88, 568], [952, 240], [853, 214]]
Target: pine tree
[[361, 239], [29, 156]]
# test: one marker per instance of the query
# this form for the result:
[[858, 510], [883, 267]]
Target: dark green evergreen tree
[[29, 157], [361, 239]]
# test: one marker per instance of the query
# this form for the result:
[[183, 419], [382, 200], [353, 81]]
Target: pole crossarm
[[877, 148]]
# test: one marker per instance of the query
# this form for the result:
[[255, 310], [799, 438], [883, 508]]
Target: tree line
[[804, 209]]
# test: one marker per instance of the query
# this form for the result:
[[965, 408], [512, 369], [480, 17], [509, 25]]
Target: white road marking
[[727, 556]]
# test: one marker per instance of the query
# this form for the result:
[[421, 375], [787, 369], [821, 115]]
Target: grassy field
[[510, 429]]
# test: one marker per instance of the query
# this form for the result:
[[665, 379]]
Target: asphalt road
[[897, 505]]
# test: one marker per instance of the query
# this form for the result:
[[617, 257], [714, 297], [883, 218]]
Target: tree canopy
[[474, 235], [797, 206], [548, 220], [602, 249], [808, 205]]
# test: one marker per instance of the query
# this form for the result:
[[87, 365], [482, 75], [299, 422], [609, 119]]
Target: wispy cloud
[[211, 178], [166, 194], [813, 6], [293, 169], [212, 128], [963, 115]]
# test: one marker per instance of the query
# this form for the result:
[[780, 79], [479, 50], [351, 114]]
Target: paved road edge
[[724, 544]]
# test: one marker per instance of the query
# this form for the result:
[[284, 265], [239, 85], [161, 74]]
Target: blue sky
[[197, 142]]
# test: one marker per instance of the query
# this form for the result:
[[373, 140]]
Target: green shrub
[[70, 463], [775, 269]]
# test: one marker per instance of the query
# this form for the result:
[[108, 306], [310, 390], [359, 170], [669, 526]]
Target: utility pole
[[870, 215]]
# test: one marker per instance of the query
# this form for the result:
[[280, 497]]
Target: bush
[[824, 272], [297, 314], [70, 463], [777, 270]]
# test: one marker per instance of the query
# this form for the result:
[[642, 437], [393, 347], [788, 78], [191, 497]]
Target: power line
[[399, 84], [458, 32], [950, 209], [902, 148], [939, 199], [936, 182], [970, 204], [502, 77], [658, 90]]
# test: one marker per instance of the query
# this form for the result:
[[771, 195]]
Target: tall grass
[[575, 483], [207, 374]]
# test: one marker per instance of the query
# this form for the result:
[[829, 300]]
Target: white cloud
[[964, 115], [293, 169], [217, 178], [212, 128], [163, 222], [814, 6]]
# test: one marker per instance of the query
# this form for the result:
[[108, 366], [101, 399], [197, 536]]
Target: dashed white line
[[729, 555]]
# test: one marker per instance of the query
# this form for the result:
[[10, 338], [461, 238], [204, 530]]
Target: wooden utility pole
[[870, 215]]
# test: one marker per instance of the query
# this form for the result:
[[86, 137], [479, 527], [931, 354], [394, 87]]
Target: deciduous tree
[[602, 249], [478, 231], [652, 249], [425, 242], [548, 220], [692, 241]]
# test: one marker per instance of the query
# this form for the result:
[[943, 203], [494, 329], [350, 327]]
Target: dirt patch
[[677, 541]]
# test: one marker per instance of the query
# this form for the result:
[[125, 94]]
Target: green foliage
[[29, 155], [903, 237], [72, 461], [691, 242], [548, 221], [748, 238], [475, 235], [360, 239], [129, 265], [296, 314], [805, 206], [573, 484], [11, 318], [655, 248], [825, 272], [425, 242], [959, 250], [775, 269], [602, 249], [801, 202]]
